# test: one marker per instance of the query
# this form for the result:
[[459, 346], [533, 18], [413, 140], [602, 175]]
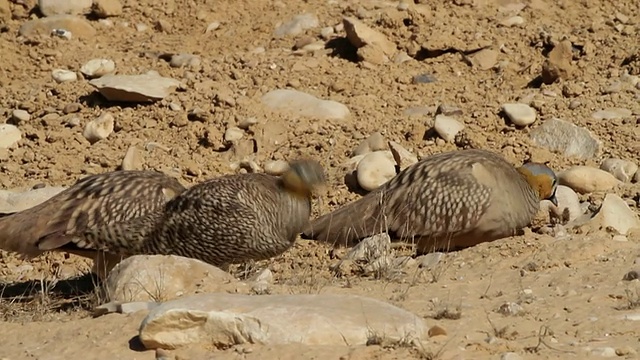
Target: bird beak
[[554, 200]]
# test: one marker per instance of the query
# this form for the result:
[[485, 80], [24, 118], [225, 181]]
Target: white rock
[[612, 113], [513, 21], [62, 75], [623, 170], [212, 27], [510, 356], [225, 320], [568, 201], [180, 60], [447, 127], [375, 169], [276, 167], [20, 115], [303, 104], [297, 25], [60, 7], [135, 88], [403, 157], [14, 201], [132, 159], [520, 114], [585, 179], [98, 67], [9, 135], [375, 142], [616, 214], [100, 128], [567, 138], [165, 277], [233, 134]]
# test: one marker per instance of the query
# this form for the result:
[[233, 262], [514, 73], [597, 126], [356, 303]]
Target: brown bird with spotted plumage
[[446, 201], [230, 219], [58, 223]]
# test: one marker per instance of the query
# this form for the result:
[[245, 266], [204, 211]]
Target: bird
[[447, 201], [226, 220], [57, 224]]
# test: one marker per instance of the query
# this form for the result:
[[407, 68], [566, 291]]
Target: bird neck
[[534, 182]]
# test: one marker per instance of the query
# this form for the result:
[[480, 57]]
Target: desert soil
[[571, 293]]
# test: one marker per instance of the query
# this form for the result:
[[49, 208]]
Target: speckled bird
[[58, 223], [225, 220], [446, 201]]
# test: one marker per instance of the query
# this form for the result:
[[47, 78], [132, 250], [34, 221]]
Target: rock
[[247, 123], [276, 167], [100, 128], [212, 27], [361, 36], [567, 138], [225, 320], [148, 87], [485, 59], [372, 247], [181, 60], [585, 179], [448, 110], [403, 157], [510, 309], [615, 214], [612, 113], [132, 159], [631, 275], [62, 75], [233, 134], [513, 21], [14, 201], [303, 104], [429, 261], [98, 67], [64, 7], [623, 170], [447, 127], [9, 136], [297, 25], [636, 177], [107, 8], [568, 208], [375, 142], [375, 169], [71, 108], [165, 277], [558, 64], [79, 27], [604, 352], [424, 79], [520, 114], [20, 115]]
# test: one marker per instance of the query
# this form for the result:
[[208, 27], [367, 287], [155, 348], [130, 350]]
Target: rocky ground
[[195, 89]]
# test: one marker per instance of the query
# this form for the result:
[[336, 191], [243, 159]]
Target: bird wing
[[101, 200], [437, 200]]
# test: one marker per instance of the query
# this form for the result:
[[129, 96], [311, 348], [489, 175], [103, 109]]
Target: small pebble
[[99, 128], [233, 134], [447, 127], [62, 75], [436, 330], [623, 170], [424, 79], [20, 115], [276, 167], [510, 309], [96, 68], [9, 135], [520, 114], [246, 123], [212, 27], [72, 108], [375, 142], [375, 169], [132, 159], [510, 356], [513, 21]]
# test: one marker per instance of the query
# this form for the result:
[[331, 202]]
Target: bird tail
[[17, 234], [348, 224]]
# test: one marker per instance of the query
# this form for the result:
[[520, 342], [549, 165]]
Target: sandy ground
[[571, 291]]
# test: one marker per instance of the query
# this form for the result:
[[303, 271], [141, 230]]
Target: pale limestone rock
[[585, 179], [375, 169]]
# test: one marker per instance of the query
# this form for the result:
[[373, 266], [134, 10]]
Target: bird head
[[542, 179], [303, 176]]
